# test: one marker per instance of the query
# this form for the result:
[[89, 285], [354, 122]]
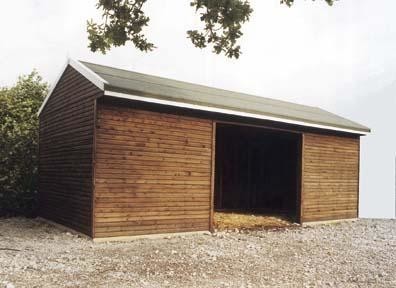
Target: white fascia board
[[83, 70], [229, 112], [88, 73]]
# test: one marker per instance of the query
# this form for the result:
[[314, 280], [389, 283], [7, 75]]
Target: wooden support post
[[212, 180]]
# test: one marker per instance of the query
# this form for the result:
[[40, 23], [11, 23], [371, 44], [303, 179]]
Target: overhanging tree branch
[[124, 20]]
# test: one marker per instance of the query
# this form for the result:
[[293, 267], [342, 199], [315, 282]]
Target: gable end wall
[[66, 141]]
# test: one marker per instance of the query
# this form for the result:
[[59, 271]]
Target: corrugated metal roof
[[129, 82]]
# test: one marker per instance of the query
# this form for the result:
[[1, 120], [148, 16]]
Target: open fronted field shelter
[[124, 154]]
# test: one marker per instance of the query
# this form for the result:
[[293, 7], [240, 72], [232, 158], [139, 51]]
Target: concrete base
[[121, 238], [327, 222], [149, 236]]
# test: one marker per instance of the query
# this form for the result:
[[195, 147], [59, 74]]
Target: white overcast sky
[[341, 58]]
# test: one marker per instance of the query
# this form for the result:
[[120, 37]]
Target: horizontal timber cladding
[[66, 152], [330, 177], [152, 172]]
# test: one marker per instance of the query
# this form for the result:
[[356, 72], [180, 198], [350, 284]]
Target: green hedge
[[19, 145]]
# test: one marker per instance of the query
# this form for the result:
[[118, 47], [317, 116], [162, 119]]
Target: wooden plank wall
[[330, 177], [152, 173], [66, 149]]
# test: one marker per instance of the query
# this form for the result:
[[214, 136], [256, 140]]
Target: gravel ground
[[351, 254]]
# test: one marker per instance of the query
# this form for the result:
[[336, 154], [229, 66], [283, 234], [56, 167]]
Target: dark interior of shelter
[[257, 170]]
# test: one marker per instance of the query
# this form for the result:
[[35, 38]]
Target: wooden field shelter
[[125, 154]]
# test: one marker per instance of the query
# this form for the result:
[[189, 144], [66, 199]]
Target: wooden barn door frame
[[300, 180], [300, 167]]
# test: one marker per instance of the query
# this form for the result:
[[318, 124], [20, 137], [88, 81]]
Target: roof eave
[[134, 97]]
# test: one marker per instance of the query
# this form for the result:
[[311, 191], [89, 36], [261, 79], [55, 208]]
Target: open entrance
[[257, 172]]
